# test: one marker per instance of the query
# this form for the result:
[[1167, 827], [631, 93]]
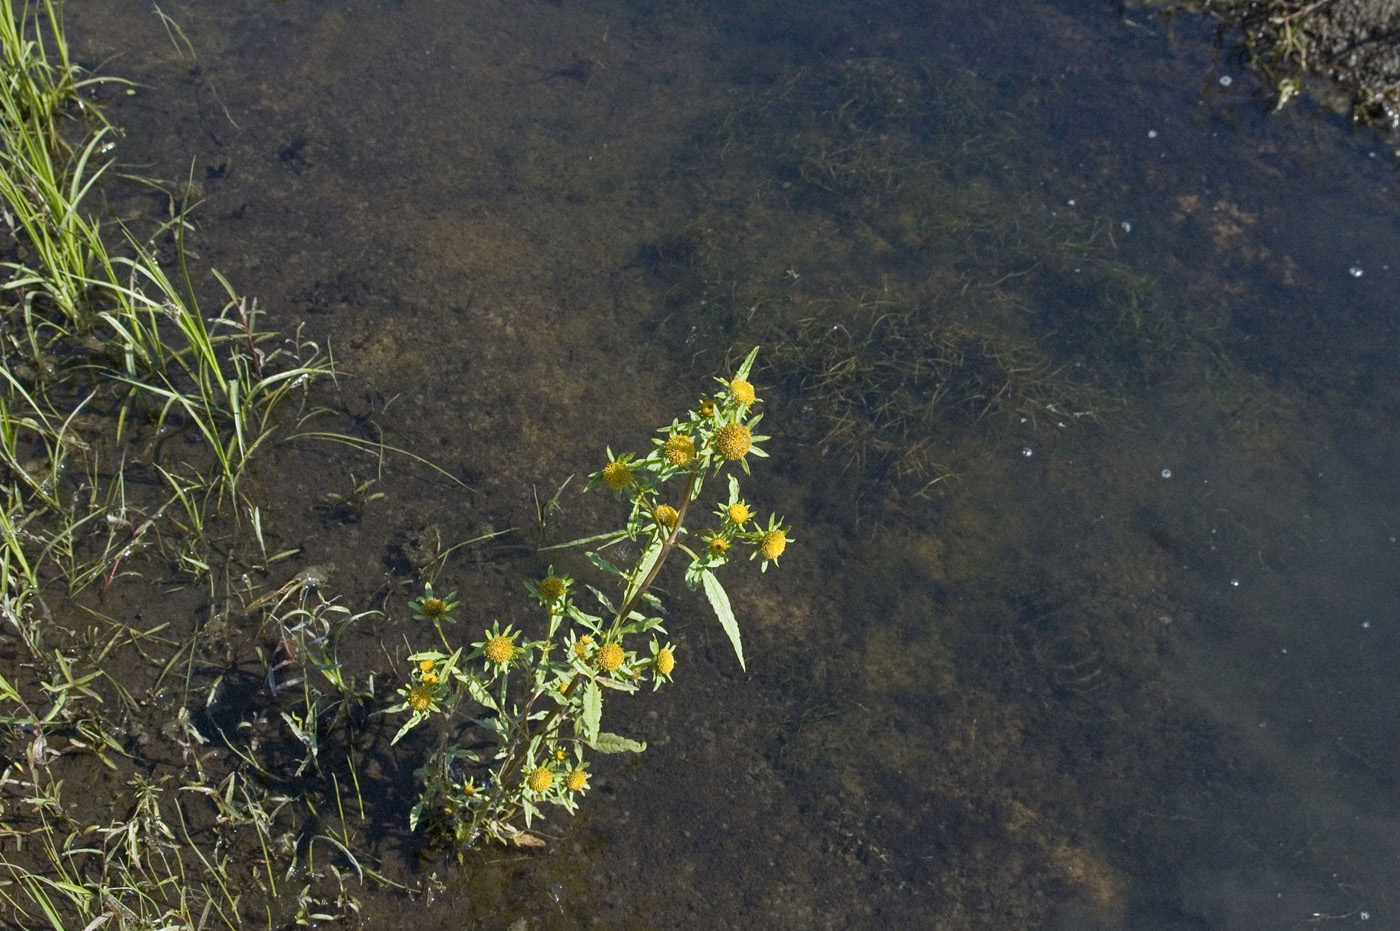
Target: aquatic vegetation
[[923, 300], [536, 701], [128, 420], [107, 348]]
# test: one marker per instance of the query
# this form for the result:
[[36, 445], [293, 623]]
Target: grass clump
[[129, 419], [105, 348]]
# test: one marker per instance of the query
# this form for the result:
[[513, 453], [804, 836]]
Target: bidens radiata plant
[[537, 703]]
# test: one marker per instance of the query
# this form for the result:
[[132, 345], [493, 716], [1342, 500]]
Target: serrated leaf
[[588, 620], [720, 602], [592, 711], [409, 725], [603, 600], [478, 691], [604, 564], [743, 371], [616, 743], [641, 624]]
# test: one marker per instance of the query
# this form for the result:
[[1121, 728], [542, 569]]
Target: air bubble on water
[[1152, 134], [1166, 473], [1226, 80], [1356, 271], [1127, 227], [1234, 583], [1027, 451]]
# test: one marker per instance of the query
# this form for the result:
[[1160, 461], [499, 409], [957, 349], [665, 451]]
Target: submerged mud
[[1072, 432]]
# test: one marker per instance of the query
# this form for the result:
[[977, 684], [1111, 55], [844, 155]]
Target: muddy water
[[1105, 638]]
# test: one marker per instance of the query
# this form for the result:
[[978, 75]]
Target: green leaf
[[720, 602], [592, 712], [409, 725], [616, 743], [748, 364], [644, 565], [478, 690], [604, 564], [694, 572], [590, 621], [610, 536], [603, 600], [640, 625]]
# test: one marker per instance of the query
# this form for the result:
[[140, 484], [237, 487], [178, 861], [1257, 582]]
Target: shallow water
[[1104, 639]]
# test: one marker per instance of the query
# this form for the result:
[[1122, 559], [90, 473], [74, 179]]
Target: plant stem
[[554, 719]]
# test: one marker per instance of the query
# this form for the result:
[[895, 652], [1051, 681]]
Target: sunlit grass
[[106, 359]]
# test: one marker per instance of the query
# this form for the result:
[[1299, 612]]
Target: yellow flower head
[[434, 609], [666, 516], [739, 513], [733, 440], [430, 678], [540, 780], [665, 662], [576, 781], [741, 391], [679, 450], [719, 546], [500, 650], [617, 475], [610, 657], [551, 588], [426, 665], [581, 647], [420, 698], [707, 408], [773, 544]]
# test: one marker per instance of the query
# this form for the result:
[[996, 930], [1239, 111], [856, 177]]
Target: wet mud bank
[[1346, 52]]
